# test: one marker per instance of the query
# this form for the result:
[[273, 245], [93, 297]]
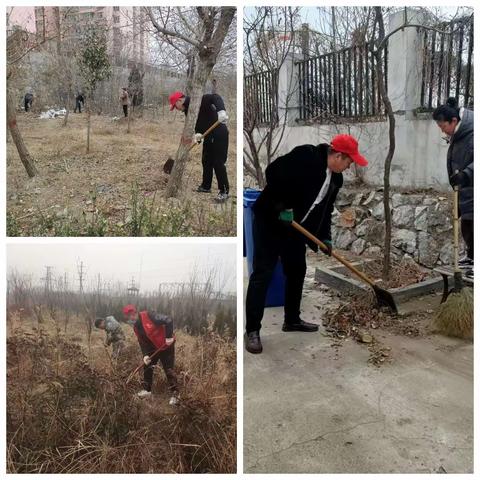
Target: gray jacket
[[460, 157], [114, 331]]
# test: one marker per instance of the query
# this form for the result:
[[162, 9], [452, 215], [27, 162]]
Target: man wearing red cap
[[302, 186], [157, 342], [215, 144]]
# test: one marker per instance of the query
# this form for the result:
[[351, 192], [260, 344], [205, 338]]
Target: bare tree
[[268, 42], [201, 30]]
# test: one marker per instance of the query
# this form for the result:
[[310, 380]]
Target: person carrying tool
[[124, 100], [157, 342], [114, 334], [215, 144], [28, 100], [79, 102], [302, 186], [457, 124]]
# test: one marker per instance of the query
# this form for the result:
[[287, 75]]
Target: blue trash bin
[[276, 289]]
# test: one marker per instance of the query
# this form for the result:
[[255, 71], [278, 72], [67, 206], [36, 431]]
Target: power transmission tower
[[47, 279], [81, 276]]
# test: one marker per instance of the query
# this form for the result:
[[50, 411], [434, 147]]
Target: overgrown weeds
[[65, 415]]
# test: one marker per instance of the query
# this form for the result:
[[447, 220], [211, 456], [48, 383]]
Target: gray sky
[[149, 264]]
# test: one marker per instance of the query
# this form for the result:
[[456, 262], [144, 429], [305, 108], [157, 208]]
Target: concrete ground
[[313, 408]]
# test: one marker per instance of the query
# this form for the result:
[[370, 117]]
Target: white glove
[[198, 137], [169, 341], [222, 116], [147, 360]]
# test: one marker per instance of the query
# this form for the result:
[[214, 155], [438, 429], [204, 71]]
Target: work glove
[[222, 116], [198, 137], [460, 179], [169, 341], [286, 216], [147, 360], [328, 250]]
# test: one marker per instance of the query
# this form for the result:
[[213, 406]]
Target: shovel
[[168, 166], [130, 377], [384, 297]]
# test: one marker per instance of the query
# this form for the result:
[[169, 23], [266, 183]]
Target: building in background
[[126, 36]]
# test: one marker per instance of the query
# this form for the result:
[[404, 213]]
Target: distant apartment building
[[125, 27]]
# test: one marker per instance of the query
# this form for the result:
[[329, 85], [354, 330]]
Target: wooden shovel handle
[[142, 365], [209, 129], [335, 255]]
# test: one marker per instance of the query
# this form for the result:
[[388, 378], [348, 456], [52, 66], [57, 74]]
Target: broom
[[455, 316]]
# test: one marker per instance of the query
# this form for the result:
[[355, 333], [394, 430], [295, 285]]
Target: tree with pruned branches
[[194, 33]]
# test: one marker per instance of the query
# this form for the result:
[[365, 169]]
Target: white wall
[[420, 154]]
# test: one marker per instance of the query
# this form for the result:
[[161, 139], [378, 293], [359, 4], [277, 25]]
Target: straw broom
[[455, 316]]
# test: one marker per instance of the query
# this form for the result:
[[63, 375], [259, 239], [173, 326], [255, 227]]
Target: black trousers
[[214, 157], [28, 104], [270, 244], [78, 106], [125, 110], [167, 359], [467, 234]]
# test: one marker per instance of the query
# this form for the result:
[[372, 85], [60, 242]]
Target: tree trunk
[[23, 152], [65, 120], [201, 75], [88, 128], [130, 112], [391, 146]]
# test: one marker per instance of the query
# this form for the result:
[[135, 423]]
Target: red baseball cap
[[346, 144], [173, 99], [129, 309]]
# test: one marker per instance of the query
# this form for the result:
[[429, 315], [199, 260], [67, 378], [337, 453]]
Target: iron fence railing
[[447, 69], [261, 97], [340, 84]]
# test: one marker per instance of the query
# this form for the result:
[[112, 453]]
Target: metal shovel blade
[[385, 298]]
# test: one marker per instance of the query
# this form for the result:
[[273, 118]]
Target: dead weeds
[[90, 194], [71, 413]]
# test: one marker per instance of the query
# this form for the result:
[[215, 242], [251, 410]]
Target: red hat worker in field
[[157, 342], [302, 185], [215, 144]]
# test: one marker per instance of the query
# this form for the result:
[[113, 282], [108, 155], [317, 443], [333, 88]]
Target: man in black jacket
[[157, 342], [79, 102], [28, 100], [215, 145], [302, 186]]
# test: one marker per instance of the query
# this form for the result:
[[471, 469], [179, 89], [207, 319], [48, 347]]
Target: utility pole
[[47, 279], [81, 276]]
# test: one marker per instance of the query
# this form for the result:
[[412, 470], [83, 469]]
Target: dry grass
[[79, 194], [70, 412]]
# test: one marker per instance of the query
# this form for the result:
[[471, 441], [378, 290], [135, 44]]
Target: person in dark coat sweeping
[[215, 145], [457, 124], [302, 186], [154, 332]]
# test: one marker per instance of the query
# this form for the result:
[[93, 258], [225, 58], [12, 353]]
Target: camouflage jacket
[[114, 331]]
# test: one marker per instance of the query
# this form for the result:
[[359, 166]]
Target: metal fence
[[261, 98], [447, 69], [340, 84]]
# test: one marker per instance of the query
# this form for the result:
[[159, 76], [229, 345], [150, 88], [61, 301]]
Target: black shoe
[[200, 189], [253, 344], [300, 326]]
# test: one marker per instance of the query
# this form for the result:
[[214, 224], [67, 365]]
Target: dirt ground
[[109, 188]]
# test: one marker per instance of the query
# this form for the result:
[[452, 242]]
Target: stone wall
[[421, 224]]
